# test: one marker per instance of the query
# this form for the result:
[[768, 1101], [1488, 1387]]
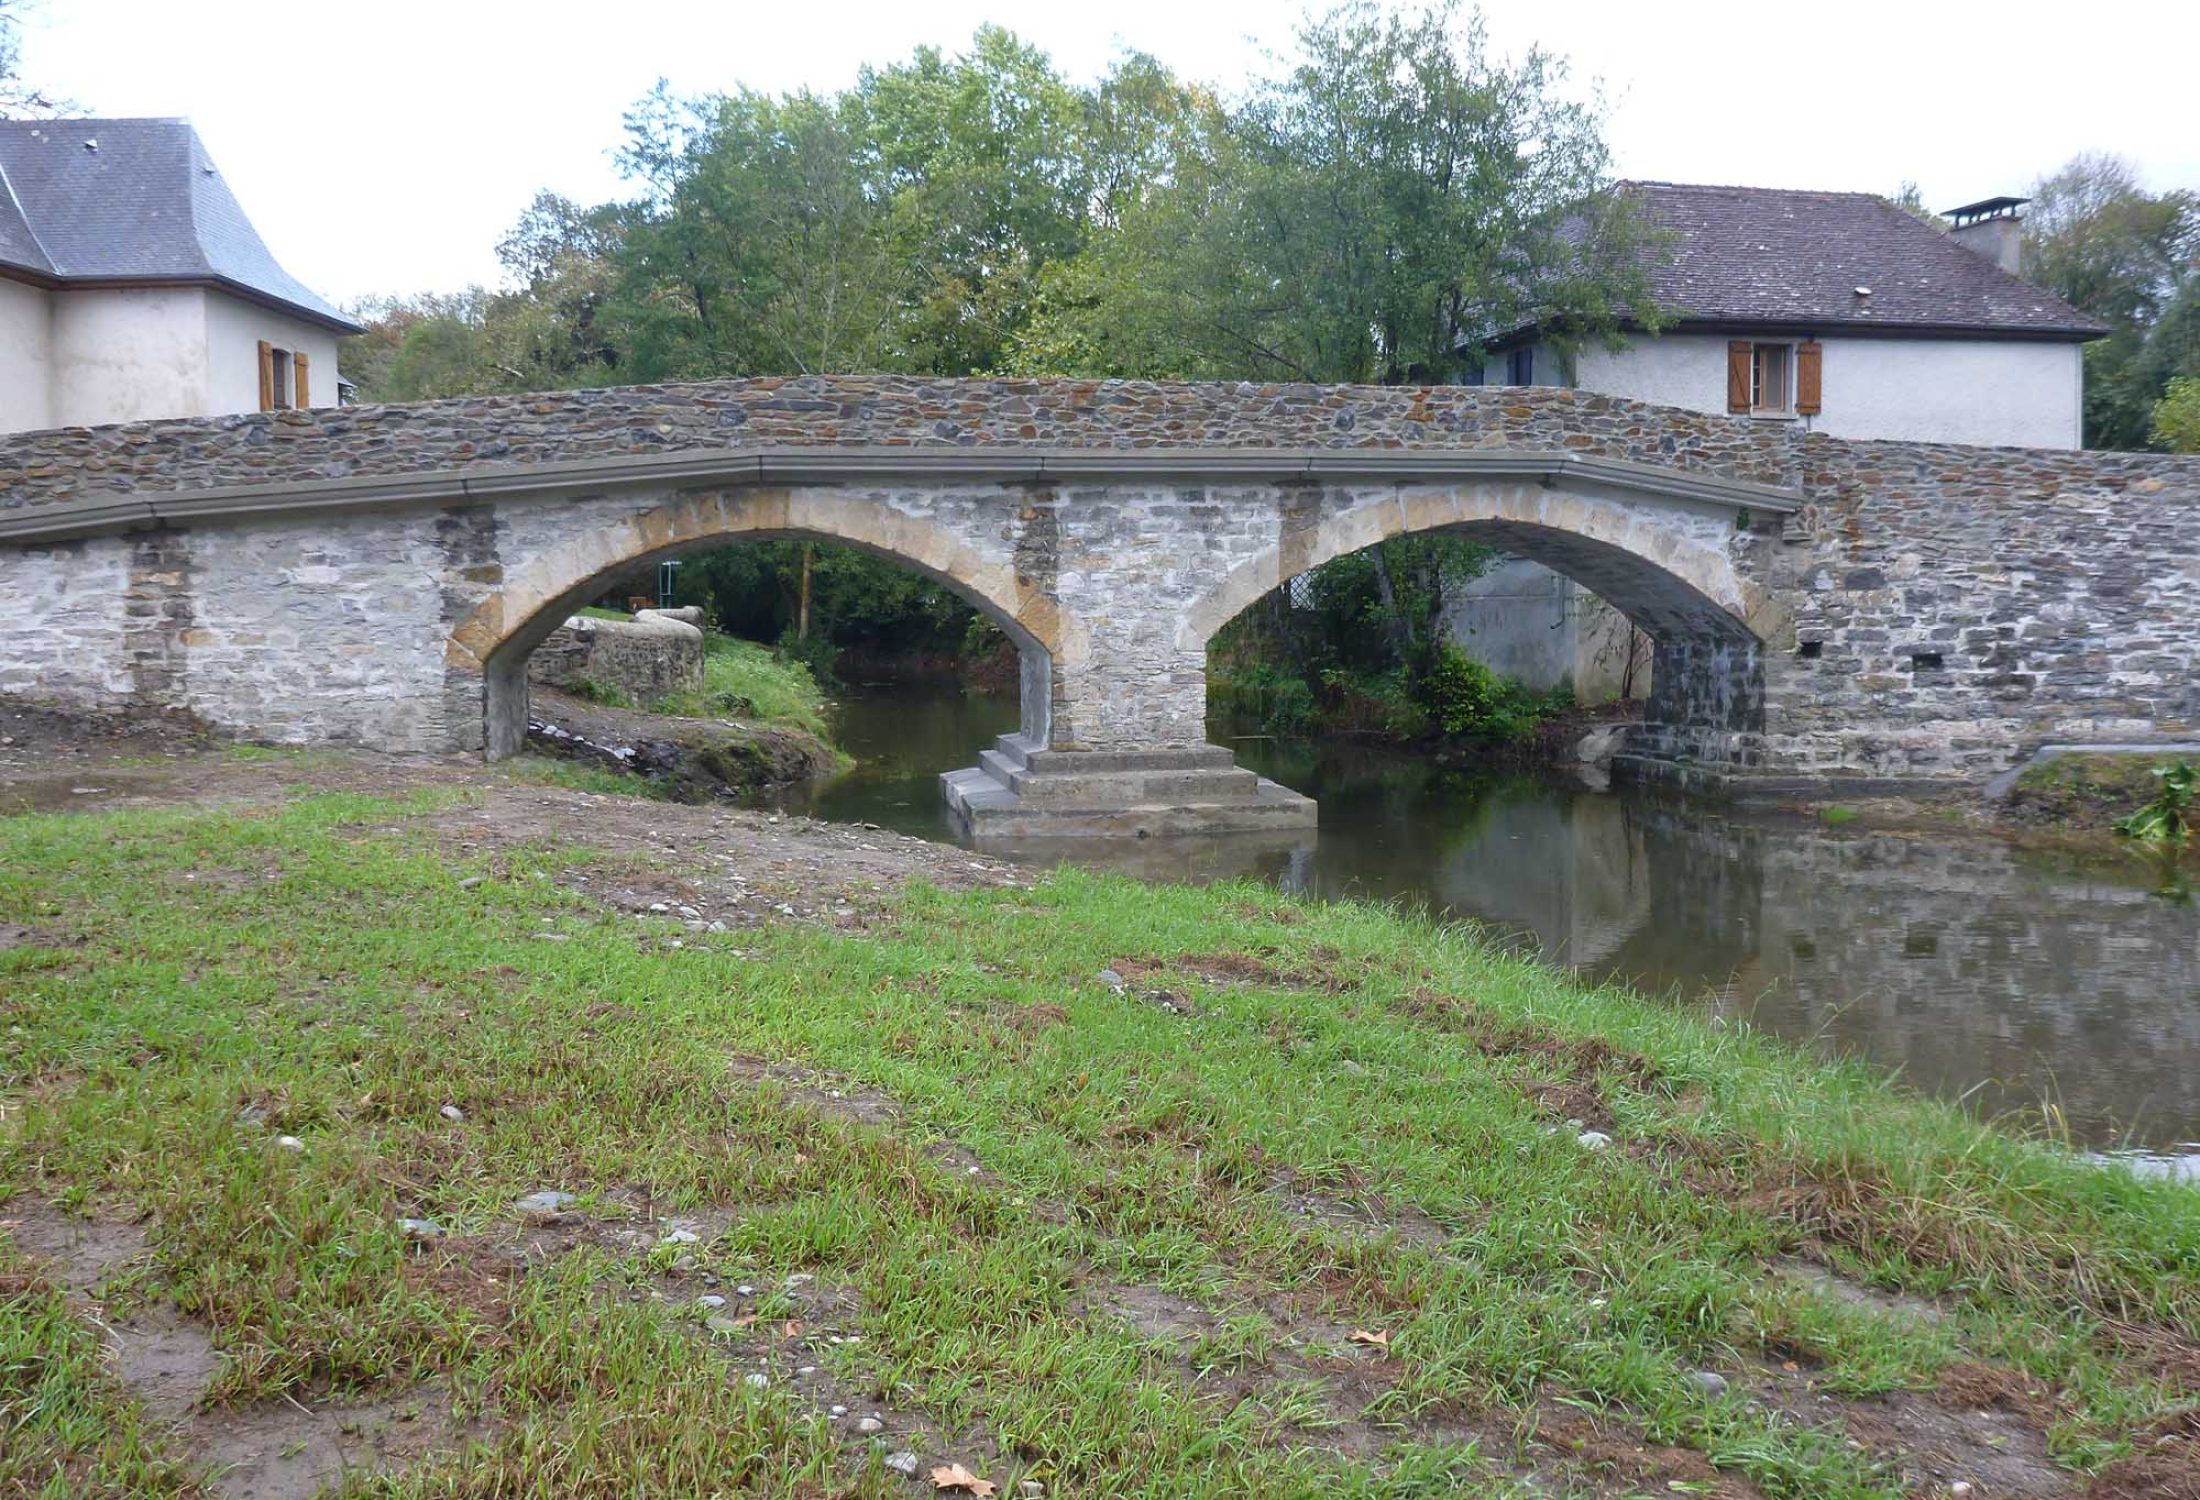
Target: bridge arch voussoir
[[1659, 564], [535, 596]]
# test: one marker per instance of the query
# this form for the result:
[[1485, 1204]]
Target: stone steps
[[1018, 790]]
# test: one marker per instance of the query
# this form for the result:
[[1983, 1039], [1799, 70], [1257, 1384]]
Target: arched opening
[[489, 649], [1673, 582]]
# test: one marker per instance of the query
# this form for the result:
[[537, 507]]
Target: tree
[[981, 162], [2105, 245], [18, 98], [1368, 215], [2177, 416], [759, 248]]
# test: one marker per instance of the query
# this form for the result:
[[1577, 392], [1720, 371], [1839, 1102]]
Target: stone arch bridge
[[376, 576]]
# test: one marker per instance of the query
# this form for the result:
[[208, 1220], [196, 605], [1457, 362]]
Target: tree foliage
[[2131, 258], [1389, 196], [1366, 215], [19, 98], [2177, 416]]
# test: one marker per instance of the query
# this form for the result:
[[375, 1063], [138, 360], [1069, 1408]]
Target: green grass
[[742, 679], [327, 968], [2085, 793]]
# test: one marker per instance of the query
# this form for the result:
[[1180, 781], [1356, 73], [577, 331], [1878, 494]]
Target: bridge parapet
[[438, 442]]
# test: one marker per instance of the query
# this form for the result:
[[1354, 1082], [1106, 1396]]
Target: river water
[[2046, 987]]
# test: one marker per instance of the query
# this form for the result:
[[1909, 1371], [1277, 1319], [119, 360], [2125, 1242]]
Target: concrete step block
[[1231, 801], [1133, 788], [1101, 762]]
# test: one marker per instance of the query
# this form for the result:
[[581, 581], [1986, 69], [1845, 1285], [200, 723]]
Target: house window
[[284, 379], [1520, 366], [1768, 378], [1775, 379]]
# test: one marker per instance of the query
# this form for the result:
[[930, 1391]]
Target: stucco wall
[[1527, 622], [1995, 392], [128, 355], [2006, 394], [26, 353], [101, 355], [234, 328]]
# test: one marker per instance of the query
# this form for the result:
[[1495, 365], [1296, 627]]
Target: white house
[[132, 285], [1837, 311]]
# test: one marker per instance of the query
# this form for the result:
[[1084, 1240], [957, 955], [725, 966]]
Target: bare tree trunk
[[802, 610], [1401, 628]]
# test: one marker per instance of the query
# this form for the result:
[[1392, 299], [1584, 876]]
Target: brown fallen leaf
[[1372, 1340], [791, 1329], [956, 1477]]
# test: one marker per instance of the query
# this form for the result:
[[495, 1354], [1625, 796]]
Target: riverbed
[[2056, 988]]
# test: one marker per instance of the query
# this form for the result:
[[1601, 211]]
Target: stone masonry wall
[[644, 660], [2059, 591], [53, 467]]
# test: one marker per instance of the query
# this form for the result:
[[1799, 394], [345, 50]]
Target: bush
[[1291, 706], [2177, 416], [1466, 700], [1278, 700], [1372, 703], [591, 690], [2169, 818]]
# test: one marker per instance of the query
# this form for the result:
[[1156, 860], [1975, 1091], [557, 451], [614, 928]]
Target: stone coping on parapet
[[886, 464]]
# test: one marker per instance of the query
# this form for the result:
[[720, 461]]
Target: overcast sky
[[385, 147]]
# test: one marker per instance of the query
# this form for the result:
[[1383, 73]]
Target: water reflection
[[2016, 980]]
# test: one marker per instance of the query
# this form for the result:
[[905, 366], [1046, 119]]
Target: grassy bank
[[745, 680], [741, 679], [757, 721], [1121, 1190]]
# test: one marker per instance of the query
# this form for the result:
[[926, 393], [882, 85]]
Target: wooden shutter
[[1738, 355], [300, 397], [267, 376], [1810, 377]]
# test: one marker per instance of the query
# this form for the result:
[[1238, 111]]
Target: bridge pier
[[1112, 744], [1021, 789]]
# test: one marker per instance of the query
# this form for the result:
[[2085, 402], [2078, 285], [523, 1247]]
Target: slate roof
[[1786, 258], [147, 205]]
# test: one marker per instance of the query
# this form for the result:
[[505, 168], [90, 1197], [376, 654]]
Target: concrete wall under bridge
[[377, 576]]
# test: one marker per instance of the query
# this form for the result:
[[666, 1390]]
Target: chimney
[[1990, 227]]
